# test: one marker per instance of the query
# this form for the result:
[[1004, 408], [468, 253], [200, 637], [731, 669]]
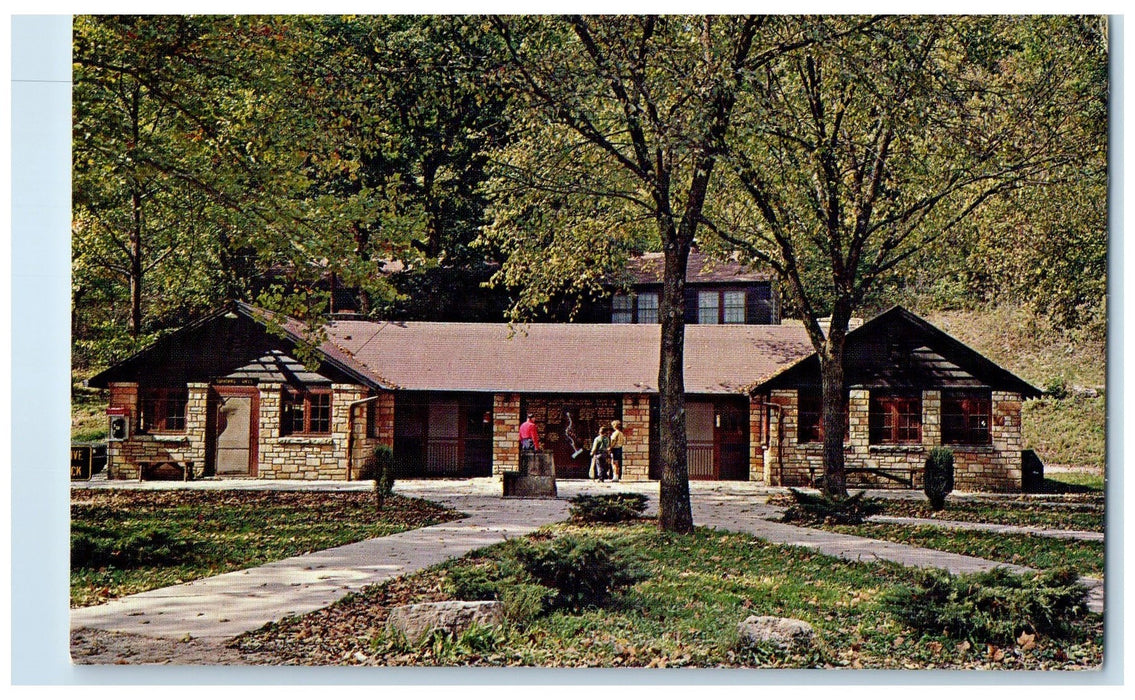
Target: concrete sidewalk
[[225, 606], [991, 527]]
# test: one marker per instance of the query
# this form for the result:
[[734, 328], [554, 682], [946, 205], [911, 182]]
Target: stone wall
[[506, 424], [308, 457], [186, 449], [995, 467], [636, 428]]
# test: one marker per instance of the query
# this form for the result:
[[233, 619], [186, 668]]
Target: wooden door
[[443, 454], [235, 430], [699, 440]]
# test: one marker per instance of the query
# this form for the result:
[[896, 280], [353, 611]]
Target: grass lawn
[[1024, 550], [88, 414], [1059, 482], [125, 541], [685, 614]]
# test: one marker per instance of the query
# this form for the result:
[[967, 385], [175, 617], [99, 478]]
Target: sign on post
[[81, 456]]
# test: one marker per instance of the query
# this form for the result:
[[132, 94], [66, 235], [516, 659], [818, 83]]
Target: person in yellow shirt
[[617, 442]]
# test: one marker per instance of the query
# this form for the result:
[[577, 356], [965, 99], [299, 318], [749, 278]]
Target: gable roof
[[491, 357], [234, 342], [578, 358], [900, 350]]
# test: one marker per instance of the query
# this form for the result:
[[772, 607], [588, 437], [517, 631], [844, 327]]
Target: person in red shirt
[[529, 436]]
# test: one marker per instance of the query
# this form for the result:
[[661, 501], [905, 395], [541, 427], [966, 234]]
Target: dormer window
[[636, 308], [721, 306]]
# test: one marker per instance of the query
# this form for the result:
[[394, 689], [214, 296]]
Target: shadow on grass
[[1057, 487]]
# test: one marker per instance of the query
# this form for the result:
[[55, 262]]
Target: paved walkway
[[991, 527], [224, 606]]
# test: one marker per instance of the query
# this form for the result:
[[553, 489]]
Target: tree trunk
[[674, 489], [834, 399], [136, 268], [137, 221]]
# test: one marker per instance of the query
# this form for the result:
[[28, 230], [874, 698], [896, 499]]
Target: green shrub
[[583, 571], [151, 546], [380, 467], [608, 508], [938, 477], [991, 607], [820, 508], [524, 601], [474, 581], [1057, 388]]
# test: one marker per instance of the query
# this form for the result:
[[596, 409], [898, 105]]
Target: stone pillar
[[506, 426], [756, 439], [636, 428], [384, 419], [122, 395], [196, 422], [342, 396], [859, 421], [1006, 435], [782, 428], [273, 463], [931, 419]]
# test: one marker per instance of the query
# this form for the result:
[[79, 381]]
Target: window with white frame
[[648, 307], [622, 309]]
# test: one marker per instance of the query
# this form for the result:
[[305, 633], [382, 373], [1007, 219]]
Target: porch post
[[506, 423]]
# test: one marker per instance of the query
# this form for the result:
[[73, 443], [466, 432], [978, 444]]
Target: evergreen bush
[[992, 607], [583, 571], [608, 508], [938, 477], [820, 508], [380, 467]]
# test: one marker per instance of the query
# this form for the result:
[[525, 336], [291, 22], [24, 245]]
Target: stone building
[[227, 397]]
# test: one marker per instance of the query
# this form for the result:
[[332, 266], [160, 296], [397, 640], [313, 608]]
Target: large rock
[[784, 632], [417, 621]]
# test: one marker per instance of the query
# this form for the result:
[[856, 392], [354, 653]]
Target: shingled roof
[[647, 269], [561, 358]]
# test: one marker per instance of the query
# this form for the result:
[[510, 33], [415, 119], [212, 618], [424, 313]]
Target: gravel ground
[[98, 647]]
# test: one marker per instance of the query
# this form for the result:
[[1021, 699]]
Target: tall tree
[[626, 125], [423, 110], [856, 155]]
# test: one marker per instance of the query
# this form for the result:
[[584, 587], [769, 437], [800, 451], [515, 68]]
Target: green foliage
[[568, 572], [991, 607], [608, 508], [1057, 388], [441, 647], [500, 579], [582, 570], [685, 615], [1071, 431], [150, 546], [480, 581], [822, 508], [938, 476]]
